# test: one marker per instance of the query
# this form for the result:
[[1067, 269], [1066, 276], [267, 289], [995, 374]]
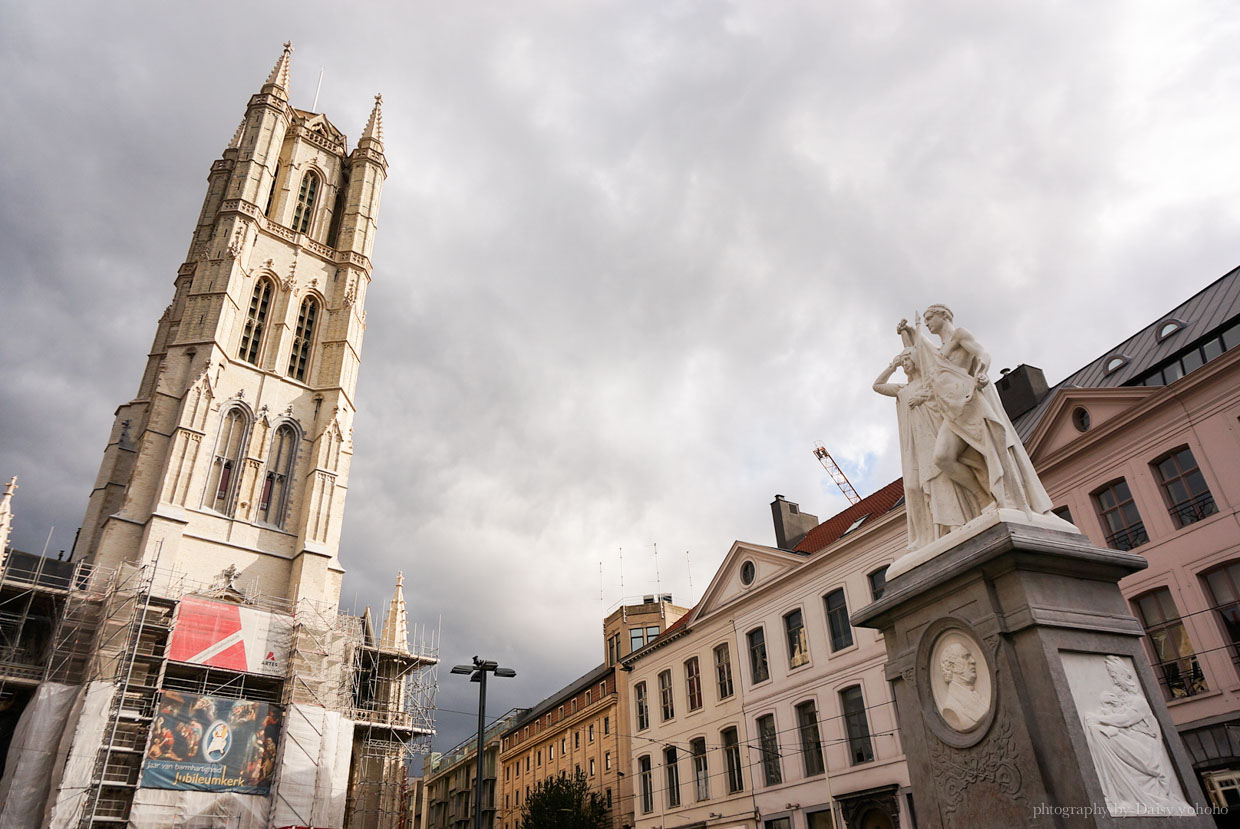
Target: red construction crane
[[837, 474]]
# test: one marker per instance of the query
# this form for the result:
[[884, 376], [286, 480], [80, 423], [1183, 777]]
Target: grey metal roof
[[567, 692], [1202, 313]]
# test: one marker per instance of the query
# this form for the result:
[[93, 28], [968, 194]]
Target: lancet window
[[226, 463], [273, 503], [305, 202], [303, 338], [256, 321]]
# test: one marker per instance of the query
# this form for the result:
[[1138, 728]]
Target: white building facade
[[764, 708]]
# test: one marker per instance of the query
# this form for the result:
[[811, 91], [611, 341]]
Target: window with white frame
[[723, 670], [693, 683], [798, 644]]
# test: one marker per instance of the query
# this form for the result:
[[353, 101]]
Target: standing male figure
[[997, 468]]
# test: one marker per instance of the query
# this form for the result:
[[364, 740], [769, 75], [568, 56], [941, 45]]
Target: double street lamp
[[478, 673]]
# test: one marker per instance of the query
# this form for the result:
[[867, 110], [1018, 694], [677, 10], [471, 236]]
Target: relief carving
[[994, 762], [961, 691], [1124, 737]]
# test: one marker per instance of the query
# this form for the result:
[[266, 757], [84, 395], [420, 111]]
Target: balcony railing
[[1128, 538], [1183, 677], [1192, 511]]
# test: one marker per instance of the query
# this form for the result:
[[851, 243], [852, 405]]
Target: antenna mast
[[837, 474], [658, 583], [314, 107]]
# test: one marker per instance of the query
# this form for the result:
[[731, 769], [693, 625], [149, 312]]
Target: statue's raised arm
[[960, 454]]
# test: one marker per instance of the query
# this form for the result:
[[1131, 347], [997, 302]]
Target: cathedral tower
[[235, 451]]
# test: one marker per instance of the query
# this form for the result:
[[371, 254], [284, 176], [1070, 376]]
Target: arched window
[[333, 229], [305, 202], [226, 464], [274, 500], [299, 359], [271, 194], [256, 321]]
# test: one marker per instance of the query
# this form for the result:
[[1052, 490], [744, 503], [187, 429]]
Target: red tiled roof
[[679, 623], [872, 506]]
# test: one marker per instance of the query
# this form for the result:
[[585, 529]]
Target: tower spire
[[395, 634], [374, 125], [277, 81], [236, 139]]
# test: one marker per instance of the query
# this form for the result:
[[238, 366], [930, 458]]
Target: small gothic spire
[[278, 79], [236, 139], [374, 126], [6, 516], [395, 634]]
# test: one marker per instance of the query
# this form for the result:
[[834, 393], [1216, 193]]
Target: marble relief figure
[[963, 706], [1126, 744], [961, 692], [960, 454]]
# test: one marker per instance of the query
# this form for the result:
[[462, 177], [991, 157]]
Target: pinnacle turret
[[6, 516], [374, 125], [277, 81], [236, 139], [395, 634]]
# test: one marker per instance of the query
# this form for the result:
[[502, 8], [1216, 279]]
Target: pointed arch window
[[305, 202], [226, 463], [256, 321], [271, 194], [274, 500], [303, 338]]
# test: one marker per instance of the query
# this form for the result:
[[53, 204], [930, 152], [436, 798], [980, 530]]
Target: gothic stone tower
[[235, 451]]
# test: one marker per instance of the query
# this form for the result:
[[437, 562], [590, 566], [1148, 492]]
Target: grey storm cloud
[[634, 260]]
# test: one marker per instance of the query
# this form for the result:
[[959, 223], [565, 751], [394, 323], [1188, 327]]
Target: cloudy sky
[[635, 258]]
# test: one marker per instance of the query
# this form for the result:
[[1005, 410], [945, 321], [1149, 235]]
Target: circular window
[[1080, 419], [747, 573]]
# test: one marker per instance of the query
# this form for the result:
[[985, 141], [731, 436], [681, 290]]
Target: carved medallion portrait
[[959, 679]]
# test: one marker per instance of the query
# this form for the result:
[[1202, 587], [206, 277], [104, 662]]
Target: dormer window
[[1168, 328], [305, 202], [1115, 363], [855, 524]]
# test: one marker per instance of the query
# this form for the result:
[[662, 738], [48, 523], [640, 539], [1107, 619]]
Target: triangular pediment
[[735, 578], [1074, 408]]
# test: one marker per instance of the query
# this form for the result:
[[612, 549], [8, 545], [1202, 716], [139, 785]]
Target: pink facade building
[[1141, 450]]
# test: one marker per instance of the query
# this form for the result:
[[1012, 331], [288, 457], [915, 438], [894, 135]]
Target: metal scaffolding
[[111, 634]]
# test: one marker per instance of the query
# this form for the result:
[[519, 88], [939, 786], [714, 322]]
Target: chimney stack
[[791, 525], [1021, 389]]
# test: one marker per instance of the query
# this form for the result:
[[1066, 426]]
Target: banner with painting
[[212, 744]]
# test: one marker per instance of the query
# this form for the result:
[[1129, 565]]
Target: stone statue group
[[960, 454]]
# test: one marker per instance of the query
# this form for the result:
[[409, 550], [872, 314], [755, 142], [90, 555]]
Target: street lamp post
[[478, 673]]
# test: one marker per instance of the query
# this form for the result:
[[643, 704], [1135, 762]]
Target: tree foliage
[[564, 802]]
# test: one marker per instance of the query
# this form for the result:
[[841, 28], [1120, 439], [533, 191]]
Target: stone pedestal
[[1023, 692]]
